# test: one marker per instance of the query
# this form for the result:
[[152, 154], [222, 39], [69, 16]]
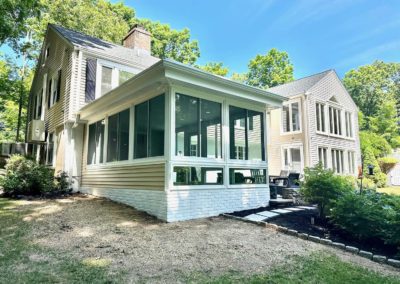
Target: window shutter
[[58, 86], [91, 65], [49, 94], [34, 107]]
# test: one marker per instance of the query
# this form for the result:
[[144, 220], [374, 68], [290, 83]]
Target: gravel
[[148, 249]]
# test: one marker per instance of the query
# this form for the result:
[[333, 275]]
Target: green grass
[[395, 190], [16, 247], [319, 268]]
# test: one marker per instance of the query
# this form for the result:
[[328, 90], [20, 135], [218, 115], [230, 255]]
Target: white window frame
[[334, 160], [289, 105], [351, 162], [349, 125], [326, 117], [325, 163], [288, 147], [339, 120], [114, 75]]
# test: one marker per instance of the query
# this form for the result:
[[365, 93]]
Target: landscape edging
[[354, 250]]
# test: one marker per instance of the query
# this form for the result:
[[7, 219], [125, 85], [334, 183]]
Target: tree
[[239, 77], [170, 43], [386, 122], [13, 14], [269, 70], [373, 84], [216, 68]]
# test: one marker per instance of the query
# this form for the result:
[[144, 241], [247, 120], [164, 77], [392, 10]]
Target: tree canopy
[[216, 68]]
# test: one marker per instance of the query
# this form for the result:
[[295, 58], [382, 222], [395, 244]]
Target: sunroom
[[178, 143]]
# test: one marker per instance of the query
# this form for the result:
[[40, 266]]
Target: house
[[319, 123], [164, 137]]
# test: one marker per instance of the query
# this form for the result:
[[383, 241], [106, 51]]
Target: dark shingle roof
[[298, 86], [105, 48]]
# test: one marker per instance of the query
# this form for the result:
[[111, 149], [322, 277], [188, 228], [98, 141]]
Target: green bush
[[367, 184], [377, 144], [323, 187], [26, 177], [369, 215], [387, 164]]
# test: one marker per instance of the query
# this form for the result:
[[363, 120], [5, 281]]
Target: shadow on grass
[[21, 261]]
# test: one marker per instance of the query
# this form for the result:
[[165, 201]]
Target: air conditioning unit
[[36, 130]]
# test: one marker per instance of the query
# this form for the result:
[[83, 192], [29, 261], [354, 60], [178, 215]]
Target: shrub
[[369, 215], [323, 187], [367, 184], [387, 164], [26, 177]]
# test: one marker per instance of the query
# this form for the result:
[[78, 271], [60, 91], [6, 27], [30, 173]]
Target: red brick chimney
[[138, 38]]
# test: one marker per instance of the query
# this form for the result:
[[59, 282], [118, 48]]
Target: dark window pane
[[247, 176], [197, 176], [91, 144], [256, 136], [156, 126], [123, 135], [141, 126], [186, 125], [237, 132], [210, 129], [99, 140], [112, 146]]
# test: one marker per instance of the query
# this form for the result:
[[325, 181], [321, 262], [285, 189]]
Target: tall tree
[[170, 43], [216, 68], [371, 85], [269, 70], [13, 14]]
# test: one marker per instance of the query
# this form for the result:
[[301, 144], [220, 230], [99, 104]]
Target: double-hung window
[[110, 76], [349, 124], [246, 128], [118, 136], [323, 156], [351, 162], [337, 157], [95, 143], [150, 128], [291, 117], [198, 127], [335, 121], [320, 115]]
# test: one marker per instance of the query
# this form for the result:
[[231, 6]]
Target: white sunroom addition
[[178, 143]]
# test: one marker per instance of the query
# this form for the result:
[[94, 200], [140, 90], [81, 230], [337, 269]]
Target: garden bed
[[301, 222]]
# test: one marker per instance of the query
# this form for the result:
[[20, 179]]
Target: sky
[[317, 34]]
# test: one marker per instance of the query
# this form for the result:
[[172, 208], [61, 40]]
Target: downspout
[[307, 137]]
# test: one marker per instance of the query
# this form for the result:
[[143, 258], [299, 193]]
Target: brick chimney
[[138, 38]]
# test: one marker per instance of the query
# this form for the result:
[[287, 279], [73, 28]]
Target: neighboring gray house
[[319, 123]]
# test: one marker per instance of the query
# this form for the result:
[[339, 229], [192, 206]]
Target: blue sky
[[317, 34]]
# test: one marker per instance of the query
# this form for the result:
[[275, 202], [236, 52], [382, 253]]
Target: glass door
[[292, 158]]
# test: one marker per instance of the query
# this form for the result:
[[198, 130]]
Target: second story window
[[106, 80], [320, 115], [349, 124], [335, 121], [291, 117]]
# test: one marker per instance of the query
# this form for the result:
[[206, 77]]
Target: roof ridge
[[306, 77]]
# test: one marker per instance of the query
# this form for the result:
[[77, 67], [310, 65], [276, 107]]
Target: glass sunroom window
[[118, 136], [149, 128], [246, 141], [197, 176], [197, 127]]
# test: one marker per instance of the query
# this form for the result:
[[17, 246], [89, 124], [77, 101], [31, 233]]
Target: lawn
[[390, 190], [92, 240]]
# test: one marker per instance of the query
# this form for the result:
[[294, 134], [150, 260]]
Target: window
[[50, 149], [197, 176], [149, 128], [244, 176], [349, 124], [337, 161], [323, 156], [292, 158], [320, 114], [246, 139], [118, 136], [124, 76], [37, 105], [106, 80], [197, 127], [291, 117], [95, 143], [335, 121], [351, 162], [49, 93]]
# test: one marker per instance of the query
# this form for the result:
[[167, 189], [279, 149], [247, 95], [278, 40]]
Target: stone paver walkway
[[265, 215]]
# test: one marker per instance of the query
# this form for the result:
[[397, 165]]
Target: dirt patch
[[99, 232]]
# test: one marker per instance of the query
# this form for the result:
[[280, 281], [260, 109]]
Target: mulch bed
[[301, 222]]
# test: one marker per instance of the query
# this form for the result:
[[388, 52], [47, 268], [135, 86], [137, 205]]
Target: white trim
[[288, 147], [289, 104]]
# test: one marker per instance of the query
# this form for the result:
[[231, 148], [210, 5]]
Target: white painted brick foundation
[[179, 205], [150, 201]]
